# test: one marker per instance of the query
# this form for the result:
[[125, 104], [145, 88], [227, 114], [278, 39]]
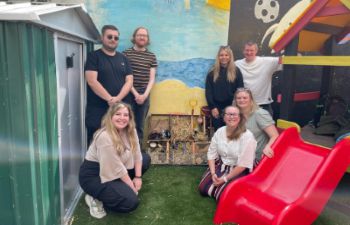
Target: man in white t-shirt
[[257, 74]]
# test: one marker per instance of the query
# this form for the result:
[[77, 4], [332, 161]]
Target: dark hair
[[240, 129], [134, 35], [108, 27]]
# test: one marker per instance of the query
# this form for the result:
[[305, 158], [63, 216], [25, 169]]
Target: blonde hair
[[114, 134], [240, 129], [231, 67], [253, 105]]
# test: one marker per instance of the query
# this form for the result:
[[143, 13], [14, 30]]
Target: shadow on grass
[[170, 197]]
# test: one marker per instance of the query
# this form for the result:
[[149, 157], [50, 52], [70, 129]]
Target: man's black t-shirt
[[111, 73]]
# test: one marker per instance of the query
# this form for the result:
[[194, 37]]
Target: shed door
[[70, 119]]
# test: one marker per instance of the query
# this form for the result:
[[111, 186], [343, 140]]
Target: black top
[[220, 94], [111, 73]]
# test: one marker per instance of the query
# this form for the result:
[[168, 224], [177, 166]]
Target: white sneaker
[[96, 207]]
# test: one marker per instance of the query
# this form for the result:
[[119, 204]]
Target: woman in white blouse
[[230, 155], [111, 174]]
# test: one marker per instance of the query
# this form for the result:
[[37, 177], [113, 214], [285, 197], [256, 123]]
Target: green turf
[[169, 197]]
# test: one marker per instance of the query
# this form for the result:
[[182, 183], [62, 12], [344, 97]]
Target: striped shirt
[[141, 63]]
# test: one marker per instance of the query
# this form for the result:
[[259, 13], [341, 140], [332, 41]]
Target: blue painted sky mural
[[185, 34]]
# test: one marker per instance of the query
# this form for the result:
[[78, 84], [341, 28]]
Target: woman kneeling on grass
[[259, 122], [230, 155], [111, 172]]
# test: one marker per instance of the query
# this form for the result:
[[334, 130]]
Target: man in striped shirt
[[143, 64]]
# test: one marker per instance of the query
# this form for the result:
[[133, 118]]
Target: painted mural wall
[[253, 19], [256, 20], [185, 36], [262, 21]]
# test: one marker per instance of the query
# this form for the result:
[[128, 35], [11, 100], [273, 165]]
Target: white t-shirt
[[239, 152], [257, 76]]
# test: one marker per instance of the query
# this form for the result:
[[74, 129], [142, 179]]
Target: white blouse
[[240, 152]]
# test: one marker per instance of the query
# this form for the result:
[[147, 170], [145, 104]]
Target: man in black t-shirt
[[109, 78]]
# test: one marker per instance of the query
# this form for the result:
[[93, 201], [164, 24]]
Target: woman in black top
[[222, 82]]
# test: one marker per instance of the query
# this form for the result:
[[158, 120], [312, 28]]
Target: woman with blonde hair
[[111, 174], [221, 83], [259, 122], [231, 154]]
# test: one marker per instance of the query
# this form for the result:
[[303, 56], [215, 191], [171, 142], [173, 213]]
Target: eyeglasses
[[231, 114], [110, 37], [141, 35]]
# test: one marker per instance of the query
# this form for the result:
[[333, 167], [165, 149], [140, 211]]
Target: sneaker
[[96, 207]]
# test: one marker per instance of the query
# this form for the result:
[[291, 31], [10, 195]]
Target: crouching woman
[[111, 174], [231, 154]]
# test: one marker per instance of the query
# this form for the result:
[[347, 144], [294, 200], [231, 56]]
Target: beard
[[141, 44], [109, 48]]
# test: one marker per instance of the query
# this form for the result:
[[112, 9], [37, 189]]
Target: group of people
[[113, 77], [238, 95], [118, 91]]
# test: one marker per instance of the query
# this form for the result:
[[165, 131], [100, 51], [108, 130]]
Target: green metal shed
[[42, 98]]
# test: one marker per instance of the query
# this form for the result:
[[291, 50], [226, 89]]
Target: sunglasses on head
[[110, 37], [243, 89], [225, 46]]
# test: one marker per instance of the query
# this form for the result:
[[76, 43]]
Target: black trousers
[[93, 121], [90, 134], [140, 113], [267, 107], [94, 115], [115, 195], [218, 122]]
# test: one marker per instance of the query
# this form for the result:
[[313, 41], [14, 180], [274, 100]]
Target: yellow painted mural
[[174, 96], [221, 4]]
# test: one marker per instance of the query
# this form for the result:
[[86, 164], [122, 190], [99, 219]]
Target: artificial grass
[[169, 196]]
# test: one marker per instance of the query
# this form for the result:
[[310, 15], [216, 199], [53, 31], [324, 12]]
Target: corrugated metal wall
[[29, 172]]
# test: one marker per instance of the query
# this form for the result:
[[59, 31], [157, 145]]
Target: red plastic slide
[[291, 188]]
